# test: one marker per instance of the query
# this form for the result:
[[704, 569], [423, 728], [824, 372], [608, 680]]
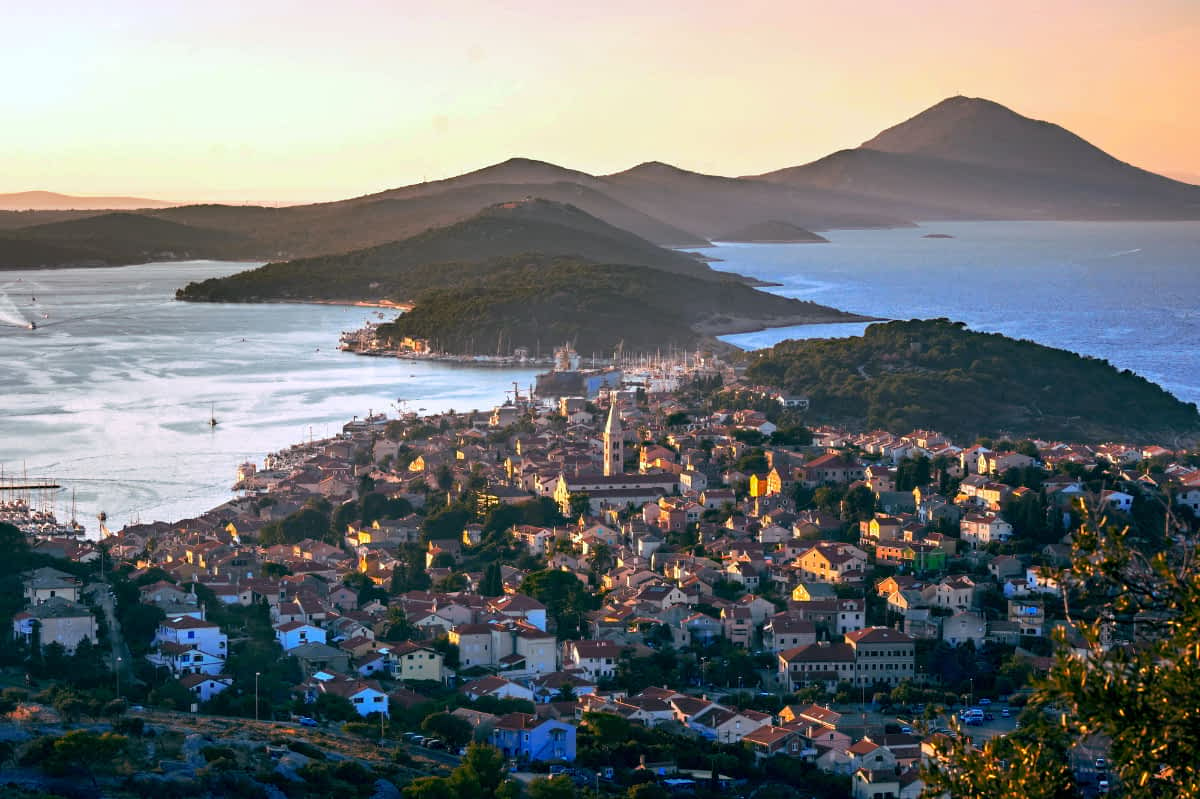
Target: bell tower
[[614, 442]]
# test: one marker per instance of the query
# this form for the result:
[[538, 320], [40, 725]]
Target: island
[[937, 374]]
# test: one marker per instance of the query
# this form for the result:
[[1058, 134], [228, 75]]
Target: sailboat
[[212, 416]]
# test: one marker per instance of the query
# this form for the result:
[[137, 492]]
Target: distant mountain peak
[[981, 131]]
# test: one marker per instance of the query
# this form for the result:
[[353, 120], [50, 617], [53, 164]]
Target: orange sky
[[304, 100]]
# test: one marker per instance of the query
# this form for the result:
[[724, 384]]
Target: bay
[[111, 394]]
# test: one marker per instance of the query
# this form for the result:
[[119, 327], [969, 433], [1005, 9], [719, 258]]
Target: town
[[641, 591]]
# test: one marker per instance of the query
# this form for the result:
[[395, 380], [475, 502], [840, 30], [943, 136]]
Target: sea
[[111, 395]]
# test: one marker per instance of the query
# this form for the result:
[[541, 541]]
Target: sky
[[306, 100]]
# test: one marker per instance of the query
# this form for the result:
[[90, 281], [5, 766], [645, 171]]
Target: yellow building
[[415, 662]]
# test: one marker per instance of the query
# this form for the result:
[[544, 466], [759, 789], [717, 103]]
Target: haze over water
[[111, 394]]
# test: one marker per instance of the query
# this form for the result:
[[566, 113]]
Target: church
[[613, 488]]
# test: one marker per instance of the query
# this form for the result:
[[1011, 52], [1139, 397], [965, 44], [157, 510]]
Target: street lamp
[[117, 672], [257, 674]]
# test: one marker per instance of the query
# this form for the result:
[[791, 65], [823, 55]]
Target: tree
[[85, 750], [450, 728], [858, 504], [493, 582], [484, 764], [565, 597], [560, 787], [429, 788], [1140, 696], [580, 505]]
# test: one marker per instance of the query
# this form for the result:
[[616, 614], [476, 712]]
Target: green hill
[[937, 374], [400, 270], [538, 301]]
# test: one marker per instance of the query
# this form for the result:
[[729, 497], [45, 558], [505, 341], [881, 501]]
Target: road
[[120, 657]]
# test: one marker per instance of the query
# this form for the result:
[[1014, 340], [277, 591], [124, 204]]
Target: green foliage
[[450, 728], [936, 374], [560, 787], [481, 775], [311, 521], [1140, 697], [565, 597]]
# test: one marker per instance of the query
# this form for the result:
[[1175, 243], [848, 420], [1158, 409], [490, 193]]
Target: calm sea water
[[111, 394], [1127, 292]]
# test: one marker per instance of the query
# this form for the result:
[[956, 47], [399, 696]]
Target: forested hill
[[539, 301], [936, 374], [400, 270]]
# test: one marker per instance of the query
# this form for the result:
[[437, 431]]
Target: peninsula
[[936, 373], [528, 274]]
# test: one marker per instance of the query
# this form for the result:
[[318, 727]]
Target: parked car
[[985, 701], [1004, 713], [1101, 764], [434, 743], [1103, 785], [307, 721]]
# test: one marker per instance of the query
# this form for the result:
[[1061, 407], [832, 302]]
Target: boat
[[212, 417], [33, 325]]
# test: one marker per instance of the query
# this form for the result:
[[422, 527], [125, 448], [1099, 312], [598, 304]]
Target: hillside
[[772, 231], [938, 375], [540, 301], [52, 201], [969, 158], [111, 239], [710, 205], [400, 270]]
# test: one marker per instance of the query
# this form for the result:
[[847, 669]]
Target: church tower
[[614, 443]]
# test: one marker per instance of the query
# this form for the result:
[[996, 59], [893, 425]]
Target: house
[[787, 631], [205, 686], [366, 696], [497, 687], [49, 583], [728, 725], [1028, 615], [832, 562], [314, 658], [963, 627], [822, 664], [596, 659], [769, 740], [984, 528], [55, 620], [528, 739], [296, 633], [192, 633], [882, 655], [410, 661], [519, 606]]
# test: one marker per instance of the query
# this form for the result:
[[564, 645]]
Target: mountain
[[936, 374], [112, 239], [402, 269], [51, 201], [711, 205], [772, 231], [970, 158], [538, 301]]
